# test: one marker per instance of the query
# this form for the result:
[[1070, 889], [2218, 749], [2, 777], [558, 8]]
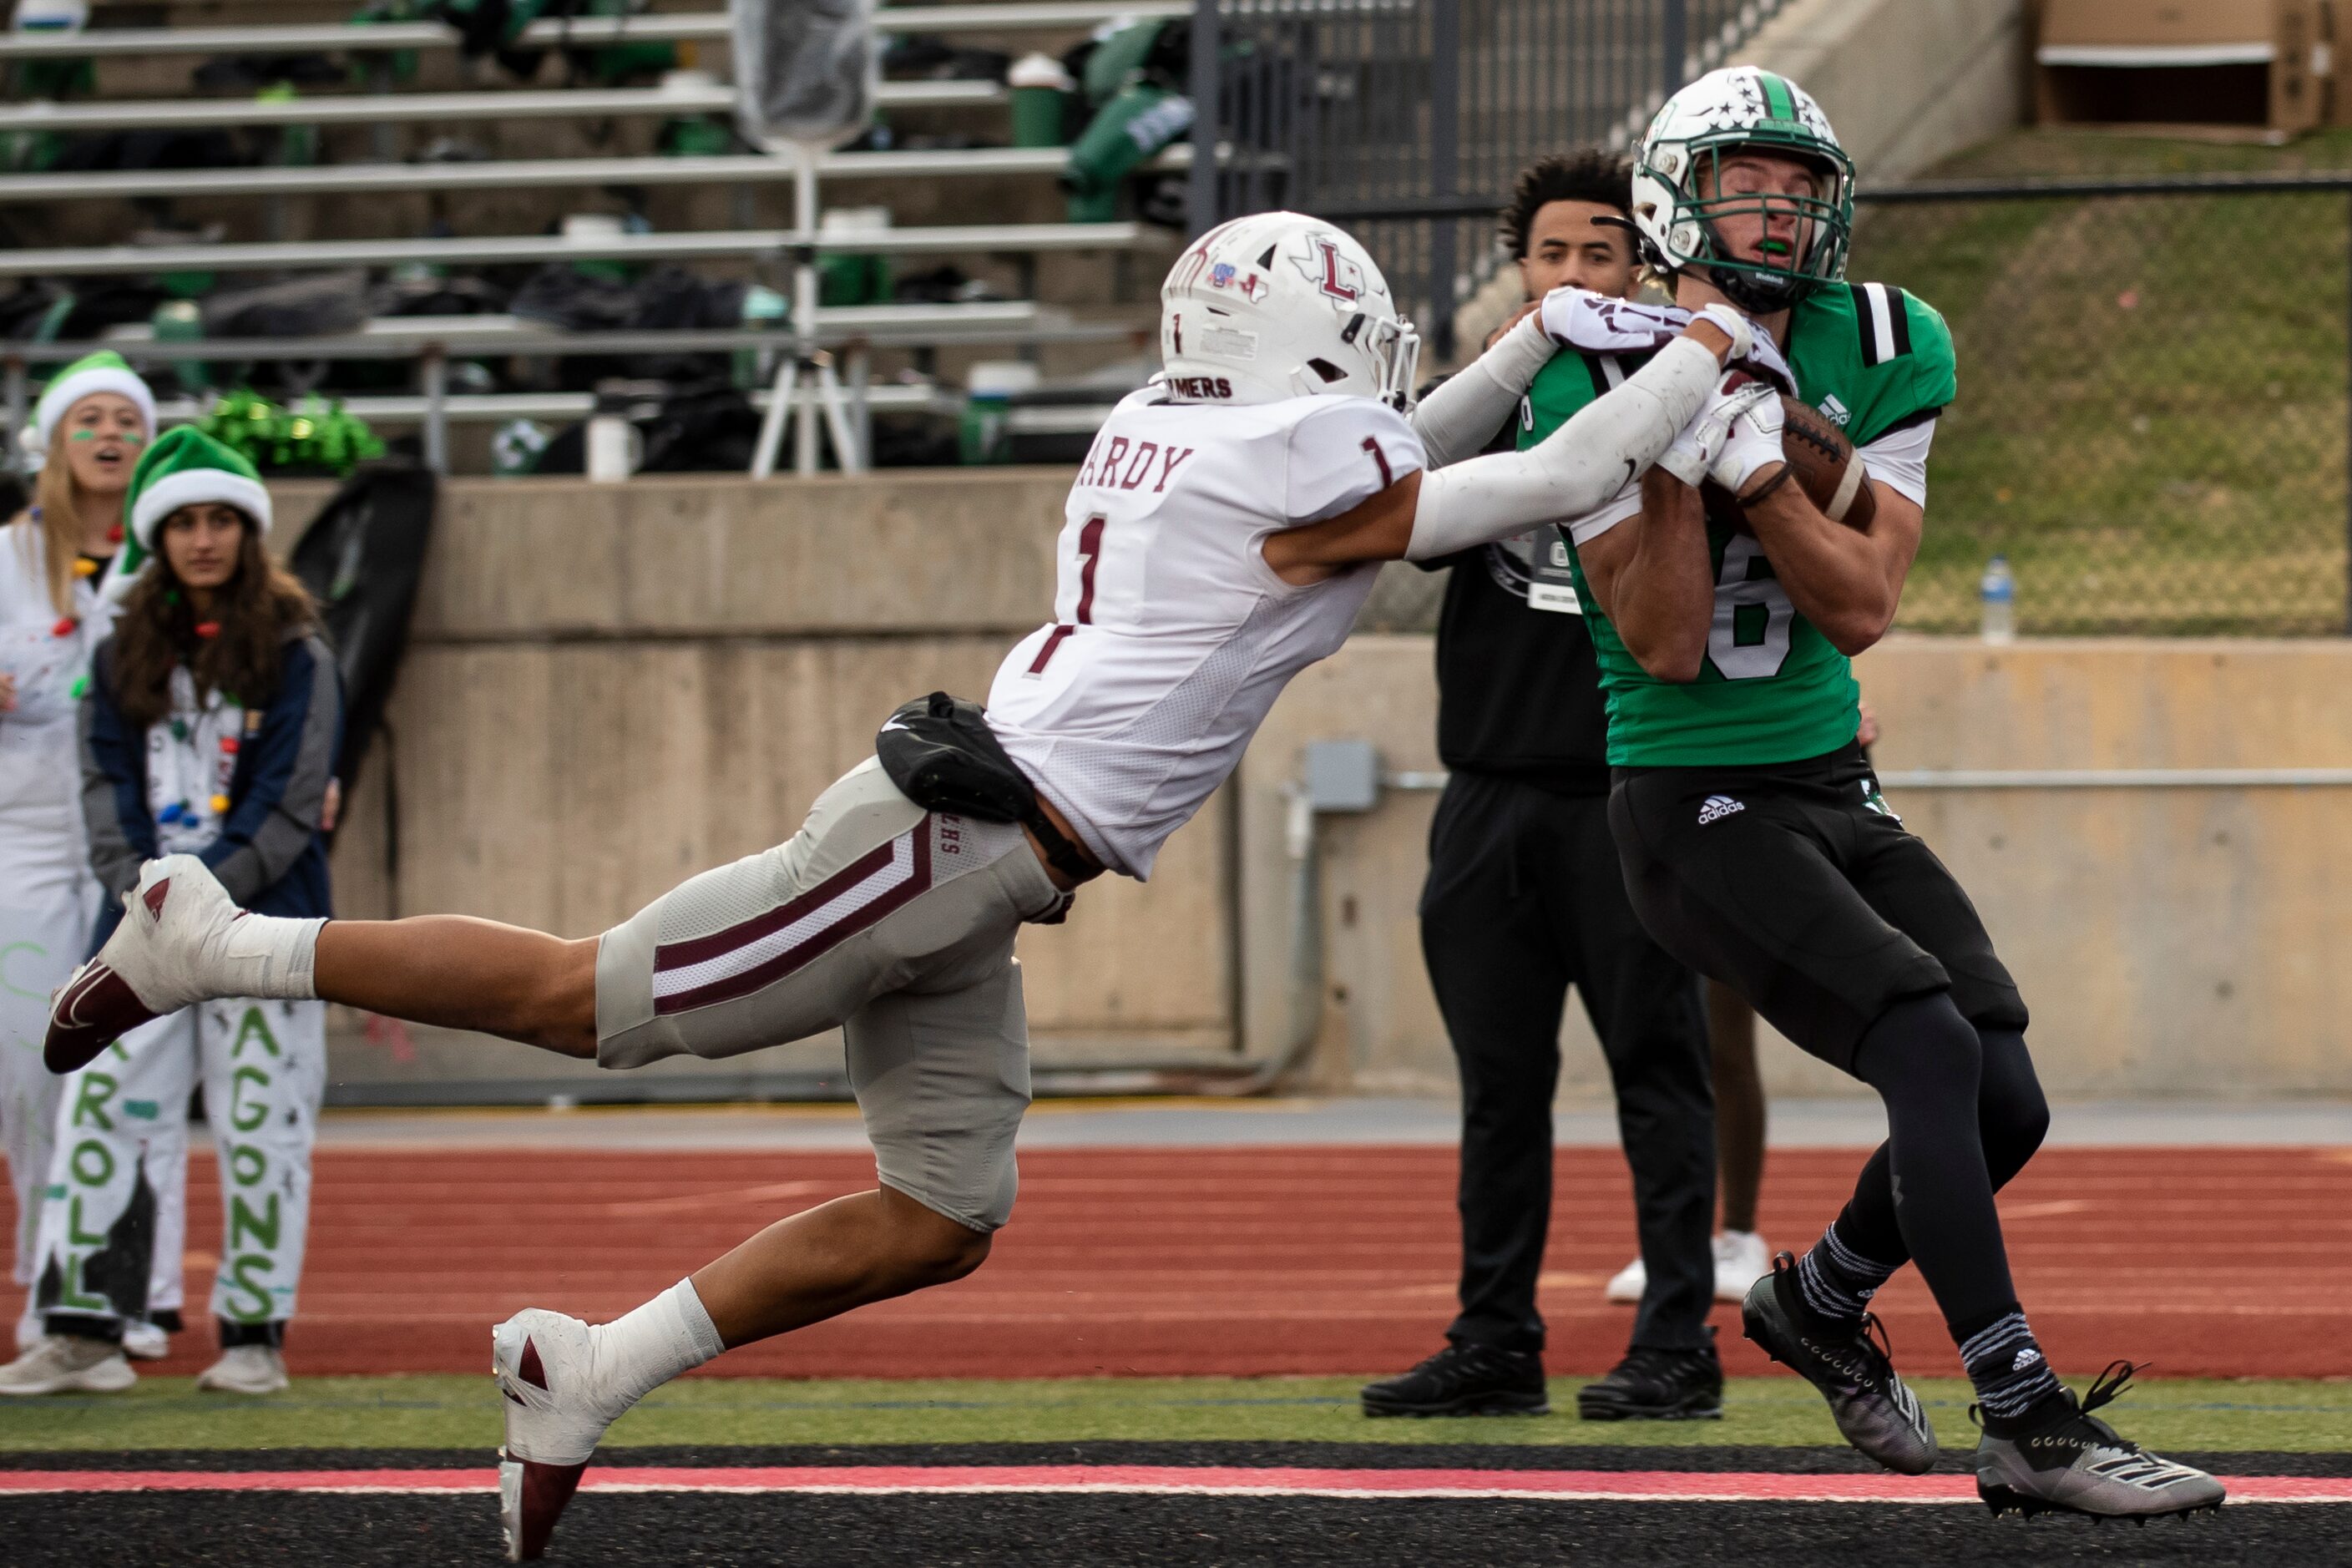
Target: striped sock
[[1837, 1281], [2013, 1377]]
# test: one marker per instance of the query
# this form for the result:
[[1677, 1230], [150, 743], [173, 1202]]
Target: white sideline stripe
[[901, 869]]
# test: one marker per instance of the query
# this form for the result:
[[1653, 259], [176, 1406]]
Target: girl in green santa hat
[[92, 423], [212, 723]]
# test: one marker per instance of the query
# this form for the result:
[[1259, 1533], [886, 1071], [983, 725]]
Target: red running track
[[2208, 1262]]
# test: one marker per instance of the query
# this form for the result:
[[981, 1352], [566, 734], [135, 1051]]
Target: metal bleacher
[[852, 330]]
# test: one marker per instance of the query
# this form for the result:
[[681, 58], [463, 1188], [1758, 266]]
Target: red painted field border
[[1183, 1480]]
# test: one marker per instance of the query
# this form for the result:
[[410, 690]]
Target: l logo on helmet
[[1329, 271]]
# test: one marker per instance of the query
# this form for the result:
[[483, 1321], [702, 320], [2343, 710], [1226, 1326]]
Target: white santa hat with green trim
[[104, 371]]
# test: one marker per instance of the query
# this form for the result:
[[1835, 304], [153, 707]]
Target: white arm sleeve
[[1577, 469], [1898, 460], [1458, 420]]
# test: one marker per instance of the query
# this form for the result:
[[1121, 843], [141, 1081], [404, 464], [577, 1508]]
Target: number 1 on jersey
[[1091, 536]]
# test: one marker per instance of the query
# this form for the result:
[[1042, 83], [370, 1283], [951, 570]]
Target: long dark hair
[[256, 609]]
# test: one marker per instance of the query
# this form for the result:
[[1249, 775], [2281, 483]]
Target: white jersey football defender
[[1287, 370], [1171, 636]]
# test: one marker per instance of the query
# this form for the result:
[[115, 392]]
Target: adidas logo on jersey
[[1835, 412], [1716, 809]]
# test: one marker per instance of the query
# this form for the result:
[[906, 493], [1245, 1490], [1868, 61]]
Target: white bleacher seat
[[932, 239], [543, 173], [396, 107], [1054, 15]]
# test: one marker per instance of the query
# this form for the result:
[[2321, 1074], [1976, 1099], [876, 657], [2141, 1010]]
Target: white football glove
[[1751, 441], [1601, 324], [1696, 452]]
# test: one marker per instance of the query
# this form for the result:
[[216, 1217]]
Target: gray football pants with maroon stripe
[[894, 925]]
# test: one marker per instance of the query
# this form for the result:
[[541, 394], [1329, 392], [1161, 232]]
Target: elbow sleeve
[[1578, 468], [1461, 415]]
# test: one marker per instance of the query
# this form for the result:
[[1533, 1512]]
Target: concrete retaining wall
[[1906, 82], [615, 686]]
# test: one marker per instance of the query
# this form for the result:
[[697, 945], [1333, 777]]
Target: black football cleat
[[1874, 1408], [2075, 1463]]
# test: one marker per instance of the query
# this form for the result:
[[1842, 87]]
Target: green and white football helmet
[[1675, 181]]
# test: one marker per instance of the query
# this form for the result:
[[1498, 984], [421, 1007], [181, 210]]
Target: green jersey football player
[[1754, 839]]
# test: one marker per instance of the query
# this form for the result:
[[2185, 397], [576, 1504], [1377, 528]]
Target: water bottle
[[1998, 591]]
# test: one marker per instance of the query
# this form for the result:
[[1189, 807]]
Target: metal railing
[[547, 174], [528, 249], [435, 107], [1407, 120], [848, 331], [580, 32]]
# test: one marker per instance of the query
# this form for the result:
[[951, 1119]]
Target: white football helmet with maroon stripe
[[1279, 305]]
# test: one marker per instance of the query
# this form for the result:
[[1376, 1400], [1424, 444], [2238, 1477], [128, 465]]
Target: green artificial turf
[[447, 1411], [2152, 408]]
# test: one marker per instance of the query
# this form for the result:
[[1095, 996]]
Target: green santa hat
[[105, 371], [182, 466]]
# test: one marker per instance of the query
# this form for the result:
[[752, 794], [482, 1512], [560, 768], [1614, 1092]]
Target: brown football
[[1825, 466]]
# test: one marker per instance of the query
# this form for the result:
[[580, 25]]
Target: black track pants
[[1524, 897]]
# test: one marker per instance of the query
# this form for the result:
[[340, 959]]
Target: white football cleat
[[1628, 1283], [153, 964], [246, 1369], [557, 1407], [65, 1363], [143, 1341], [1741, 1259]]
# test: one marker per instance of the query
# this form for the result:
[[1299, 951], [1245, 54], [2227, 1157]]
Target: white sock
[[270, 955], [640, 1351]]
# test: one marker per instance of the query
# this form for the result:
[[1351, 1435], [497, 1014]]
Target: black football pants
[[1525, 897]]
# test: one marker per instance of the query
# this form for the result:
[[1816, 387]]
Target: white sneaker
[[246, 1369], [1741, 1259], [64, 1364], [558, 1405], [151, 966], [28, 1327], [1628, 1283], [145, 1342]]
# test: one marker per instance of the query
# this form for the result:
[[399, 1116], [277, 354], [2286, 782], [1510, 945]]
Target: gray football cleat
[[1874, 1408], [2077, 1464]]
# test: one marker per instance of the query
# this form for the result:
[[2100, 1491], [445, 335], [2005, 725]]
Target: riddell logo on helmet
[[1200, 386]]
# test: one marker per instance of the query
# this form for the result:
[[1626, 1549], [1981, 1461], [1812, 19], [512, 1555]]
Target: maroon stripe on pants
[[700, 949], [761, 976]]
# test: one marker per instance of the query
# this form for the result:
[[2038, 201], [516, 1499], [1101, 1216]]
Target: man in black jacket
[[1525, 899]]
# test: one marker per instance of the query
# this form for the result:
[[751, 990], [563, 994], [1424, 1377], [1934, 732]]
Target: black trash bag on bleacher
[[103, 150], [95, 304], [437, 297], [701, 428], [320, 305], [243, 74], [666, 299]]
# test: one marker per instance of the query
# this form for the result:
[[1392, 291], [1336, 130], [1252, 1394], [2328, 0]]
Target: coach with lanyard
[[1524, 899]]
